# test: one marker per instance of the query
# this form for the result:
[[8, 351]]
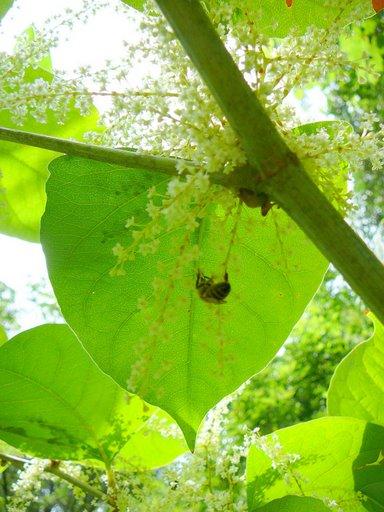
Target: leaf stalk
[[126, 158]]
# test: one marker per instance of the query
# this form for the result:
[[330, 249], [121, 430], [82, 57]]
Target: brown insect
[[211, 291]]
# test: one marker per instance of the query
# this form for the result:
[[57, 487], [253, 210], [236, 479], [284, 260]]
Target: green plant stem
[[274, 169], [113, 156], [125, 158], [5, 489], [54, 469], [112, 487]]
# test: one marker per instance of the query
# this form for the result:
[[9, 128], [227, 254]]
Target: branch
[[113, 156], [53, 468], [125, 158], [275, 170]]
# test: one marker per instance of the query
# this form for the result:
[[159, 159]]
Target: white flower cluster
[[29, 86], [163, 426], [212, 478], [175, 115], [332, 153], [25, 490], [283, 463]]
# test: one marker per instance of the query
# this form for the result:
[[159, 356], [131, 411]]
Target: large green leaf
[[339, 459], [24, 169], [5, 5], [293, 504], [275, 18], [357, 386], [211, 349], [56, 403]]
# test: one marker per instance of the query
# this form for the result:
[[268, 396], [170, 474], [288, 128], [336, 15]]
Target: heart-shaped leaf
[[198, 352], [334, 458], [56, 403], [357, 386]]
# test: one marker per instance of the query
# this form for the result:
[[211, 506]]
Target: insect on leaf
[[185, 354]]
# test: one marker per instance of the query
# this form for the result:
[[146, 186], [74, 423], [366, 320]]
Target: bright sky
[[100, 39]]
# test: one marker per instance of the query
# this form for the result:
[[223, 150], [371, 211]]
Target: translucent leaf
[[357, 386], [5, 5], [334, 458], [3, 335], [293, 504], [204, 351], [136, 4], [276, 18], [56, 403]]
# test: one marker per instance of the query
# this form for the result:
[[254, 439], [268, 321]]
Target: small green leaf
[[3, 335], [293, 504], [5, 5], [359, 43], [211, 349], [156, 444], [56, 403], [331, 127], [136, 4], [333, 458], [357, 386]]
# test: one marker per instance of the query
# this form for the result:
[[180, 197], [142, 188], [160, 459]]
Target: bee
[[212, 292]]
